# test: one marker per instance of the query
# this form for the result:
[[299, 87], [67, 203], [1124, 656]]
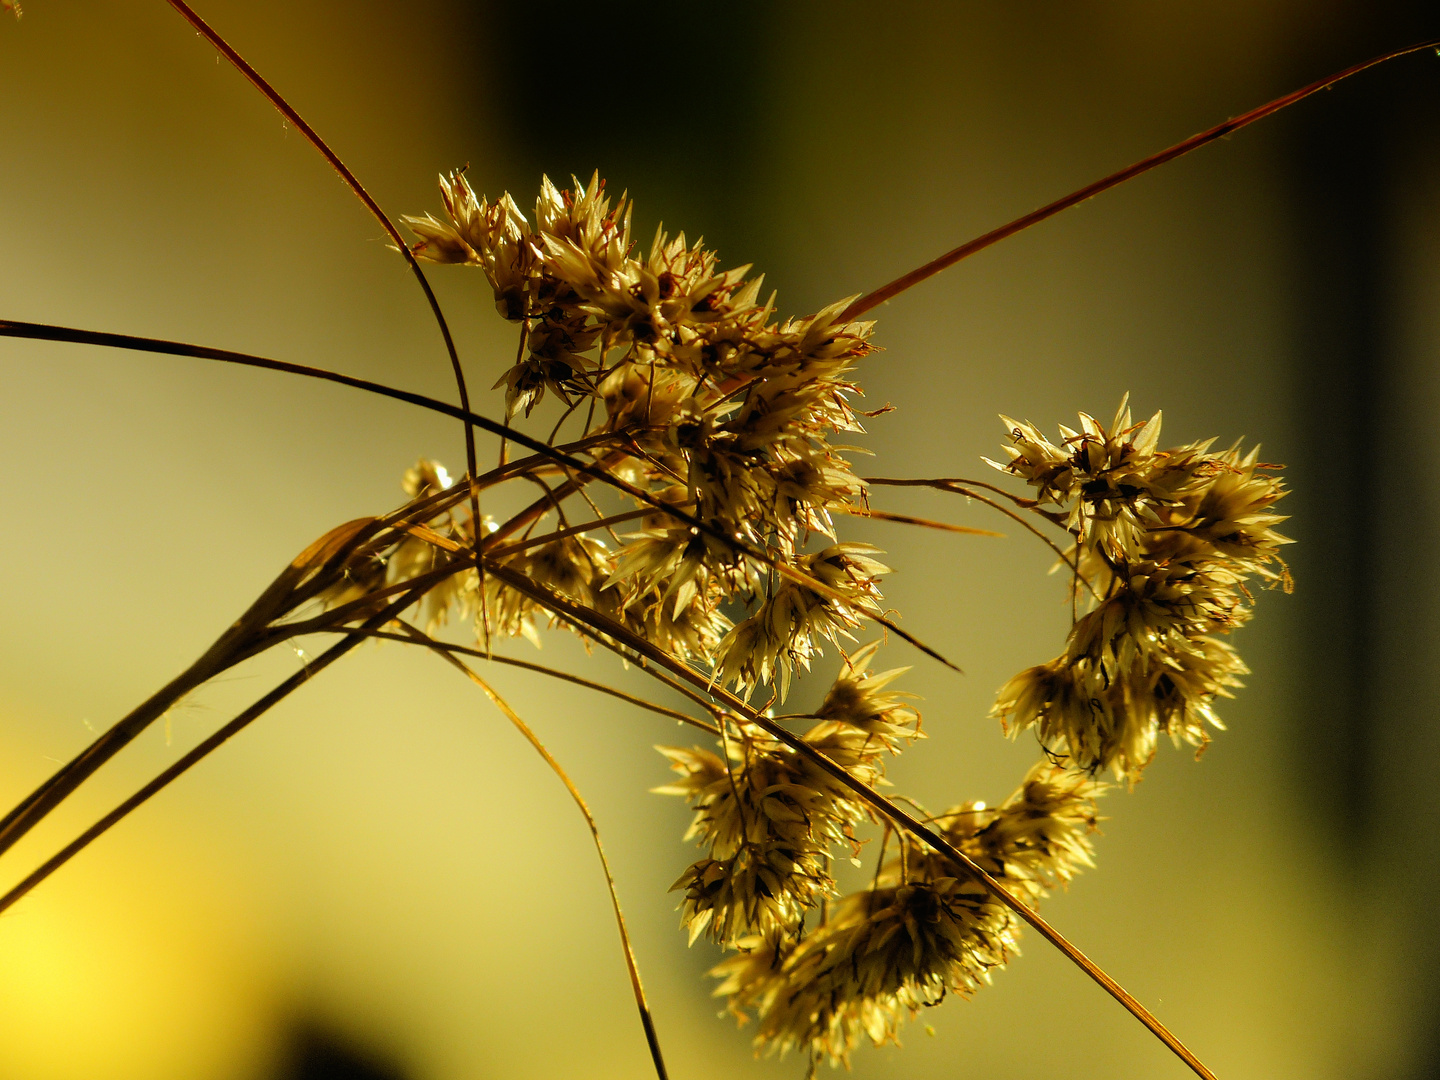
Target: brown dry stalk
[[555, 454], [527, 665], [201, 751], [313, 668], [353, 182], [558, 455], [906, 519], [251, 634], [223, 654], [894, 288], [646, 1020], [45, 332], [959, 487]]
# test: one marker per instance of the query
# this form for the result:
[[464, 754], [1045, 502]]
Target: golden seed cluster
[[714, 420], [1165, 544]]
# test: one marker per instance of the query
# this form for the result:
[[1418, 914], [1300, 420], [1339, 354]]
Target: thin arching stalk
[[526, 665], [646, 1020], [958, 489], [200, 752], [557, 455], [907, 519], [946, 483], [894, 288], [227, 651], [353, 182], [574, 530], [45, 332]]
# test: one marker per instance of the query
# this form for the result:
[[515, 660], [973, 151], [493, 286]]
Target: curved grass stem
[[557, 455], [200, 752], [526, 665], [906, 519], [906, 281], [228, 650], [958, 488], [353, 182], [646, 1020]]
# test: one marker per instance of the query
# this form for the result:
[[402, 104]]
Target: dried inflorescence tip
[[1165, 543], [784, 634], [768, 818], [859, 709], [926, 929]]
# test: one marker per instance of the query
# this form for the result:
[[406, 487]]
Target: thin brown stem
[[646, 1020], [29, 812], [554, 502], [608, 628], [566, 416], [583, 527], [554, 673], [204, 749], [353, 182], [1072, 564], [519, 356], [356, 609], [906, 519], [948, 483], [310, 566], [594, 508], [45, 332], [730, 775], [680, 688], [1089, 191], [958, 489], [561, 457]]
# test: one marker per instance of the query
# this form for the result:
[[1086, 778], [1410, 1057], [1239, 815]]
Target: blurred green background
[[380, 879]]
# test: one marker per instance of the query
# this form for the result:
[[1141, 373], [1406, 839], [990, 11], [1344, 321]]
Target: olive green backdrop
[[380, 879]]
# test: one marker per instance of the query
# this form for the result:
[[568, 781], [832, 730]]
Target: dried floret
[[859, 702], [927, 929], [884, 954], [1166, 541], [576, 567], [784, 634], [767, 818], [1038, 838]]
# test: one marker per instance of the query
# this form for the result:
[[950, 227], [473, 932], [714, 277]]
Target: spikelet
[[1166, 541]]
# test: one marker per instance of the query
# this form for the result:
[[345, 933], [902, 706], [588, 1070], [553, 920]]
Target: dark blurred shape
[[668, 96], [1372, 534], [318, 1052], [1345, 166]]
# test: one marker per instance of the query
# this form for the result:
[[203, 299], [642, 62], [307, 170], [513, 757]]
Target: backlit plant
[[691, 496]]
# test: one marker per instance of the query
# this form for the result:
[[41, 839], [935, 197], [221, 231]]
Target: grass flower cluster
[[1165, 543], [921, 932], [717, 419]]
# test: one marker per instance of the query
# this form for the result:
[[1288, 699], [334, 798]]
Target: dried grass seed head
[[1167, 541]]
